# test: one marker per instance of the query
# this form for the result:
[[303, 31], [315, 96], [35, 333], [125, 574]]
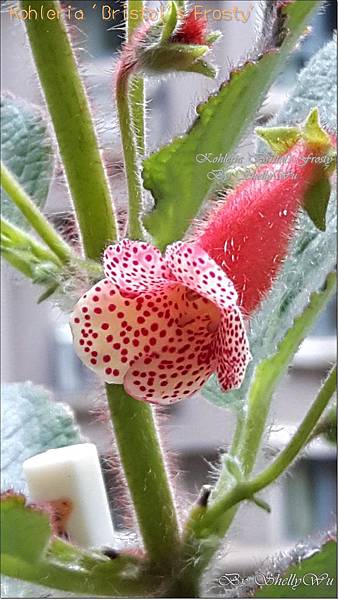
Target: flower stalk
[[137, 91], [271, 370], [246, 489], [141, 455], [131, 159], [74, 129], [250, 429]]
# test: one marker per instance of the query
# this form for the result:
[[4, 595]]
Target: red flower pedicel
[[161, 325]]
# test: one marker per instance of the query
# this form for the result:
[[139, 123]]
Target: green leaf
[[26, 149], [31, 422], [312, 252], [312, 577], [316, 202], [28, 552], [25, 531], [178, 182]]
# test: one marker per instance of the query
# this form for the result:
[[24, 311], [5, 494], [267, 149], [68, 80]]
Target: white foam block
[[73, 473]]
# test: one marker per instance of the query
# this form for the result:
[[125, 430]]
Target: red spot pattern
[[180, 323]]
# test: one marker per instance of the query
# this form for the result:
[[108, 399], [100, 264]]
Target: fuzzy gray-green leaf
[[31, 422], [26, 149]]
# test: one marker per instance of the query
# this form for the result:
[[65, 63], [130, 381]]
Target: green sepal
[[203, 68], [170, 20], [177, 57], [279, 139], [213, 37], [316, 202], [313, 133]]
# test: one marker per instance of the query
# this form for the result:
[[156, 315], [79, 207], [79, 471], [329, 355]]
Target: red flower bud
[[175, 43], [248, 236], [192, 30]]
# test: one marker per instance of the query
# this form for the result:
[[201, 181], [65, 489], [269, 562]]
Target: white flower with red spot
[[161, 325]]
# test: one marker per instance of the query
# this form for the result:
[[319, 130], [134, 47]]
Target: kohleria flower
[[161, 325]]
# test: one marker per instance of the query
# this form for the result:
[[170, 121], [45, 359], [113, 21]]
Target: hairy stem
[[13, 236], [225, 478], [133, 422], [88, 583], [252, 428], [141, 455], [247, 489], [132, 167], [271, 370], [69, 108], [137, 91], [34, 216]]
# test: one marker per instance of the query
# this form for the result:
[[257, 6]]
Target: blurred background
[[36, 340]]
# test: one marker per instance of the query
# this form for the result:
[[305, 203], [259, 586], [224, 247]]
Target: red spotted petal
[[231, 350], [172, 376], [111, 330], [136, 267], [161, 326], [194, 268]]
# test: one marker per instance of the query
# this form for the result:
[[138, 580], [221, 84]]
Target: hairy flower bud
[[248, 235], [177, 42]]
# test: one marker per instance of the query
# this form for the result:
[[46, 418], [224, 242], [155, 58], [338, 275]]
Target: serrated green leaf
[[313, 577], [312, 252], [26, 149], [25, 531], [31, 422], [178, 182]]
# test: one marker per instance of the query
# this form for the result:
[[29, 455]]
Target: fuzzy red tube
[[248, 235]]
